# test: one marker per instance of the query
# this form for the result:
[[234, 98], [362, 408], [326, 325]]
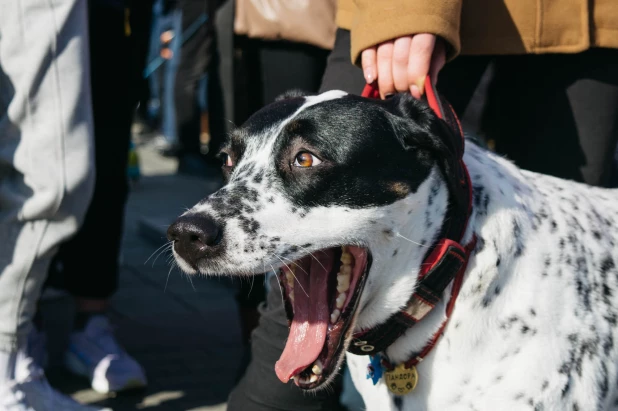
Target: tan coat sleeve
[[376, 21], [345, 13]]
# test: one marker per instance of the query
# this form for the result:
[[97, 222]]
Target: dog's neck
[[405, 232], [402, 246]]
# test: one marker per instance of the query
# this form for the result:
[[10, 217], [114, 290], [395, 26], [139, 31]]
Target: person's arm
[[398, 41]]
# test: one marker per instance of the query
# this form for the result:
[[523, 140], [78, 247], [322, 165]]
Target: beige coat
[[485, 26], [302, 21]]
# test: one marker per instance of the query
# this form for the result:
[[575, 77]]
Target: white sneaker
[[32, 392], [13, 399], [95, 353]]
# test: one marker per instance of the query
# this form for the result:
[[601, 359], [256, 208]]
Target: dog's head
[[341, 195]]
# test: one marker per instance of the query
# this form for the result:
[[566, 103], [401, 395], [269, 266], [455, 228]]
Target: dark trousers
[[554, 114], [198, 56], [268, 69], [87, 264]]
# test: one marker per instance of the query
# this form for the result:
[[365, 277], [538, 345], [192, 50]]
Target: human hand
[[404, 63]]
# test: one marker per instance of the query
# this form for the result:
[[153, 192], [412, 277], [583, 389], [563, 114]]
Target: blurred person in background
[[87, 265], [551, 107], [283, 46], [160, 73], [46, 174], [198, 114]]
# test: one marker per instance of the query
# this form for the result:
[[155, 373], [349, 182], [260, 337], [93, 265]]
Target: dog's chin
[[183, 265], [321, 293]]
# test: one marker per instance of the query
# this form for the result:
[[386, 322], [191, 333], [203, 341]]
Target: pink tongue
[[311, 316]]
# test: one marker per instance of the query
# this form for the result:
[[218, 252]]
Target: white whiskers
[[311, 254], [293, 262], [172, 265], [299, 284], [165, 247], [413, 242]]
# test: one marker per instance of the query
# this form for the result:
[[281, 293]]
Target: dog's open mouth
[[321, 293]]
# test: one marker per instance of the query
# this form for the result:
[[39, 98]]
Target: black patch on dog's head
[[272, 115], [419, 128], [373, 152]]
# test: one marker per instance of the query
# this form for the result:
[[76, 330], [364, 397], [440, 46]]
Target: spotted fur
[[534, 327]]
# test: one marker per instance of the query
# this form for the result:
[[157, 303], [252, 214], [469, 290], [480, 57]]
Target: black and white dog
[[344, 196]]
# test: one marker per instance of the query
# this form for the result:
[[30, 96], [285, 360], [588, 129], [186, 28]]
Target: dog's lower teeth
[[334, 316], [308, 380], [317, 368], [340, 300]]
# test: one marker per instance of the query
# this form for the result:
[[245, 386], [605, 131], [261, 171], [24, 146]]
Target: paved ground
[[185, 332]]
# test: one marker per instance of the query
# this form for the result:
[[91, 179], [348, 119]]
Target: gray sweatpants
[[46, 147]]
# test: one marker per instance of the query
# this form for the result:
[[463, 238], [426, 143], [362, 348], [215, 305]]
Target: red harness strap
[[449, 309], [446, 261]]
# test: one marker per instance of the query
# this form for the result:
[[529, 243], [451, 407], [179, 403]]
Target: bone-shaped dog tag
[[401, 380]]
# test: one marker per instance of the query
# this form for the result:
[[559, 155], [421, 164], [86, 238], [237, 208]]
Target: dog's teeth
[[317, 368], [295, 378], [334, 316], [343, 283], [346, 258], [345, 269], [290, 279], [340, 300], [313, 378]]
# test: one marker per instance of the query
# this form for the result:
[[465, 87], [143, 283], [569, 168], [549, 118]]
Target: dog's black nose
[[193, 235]]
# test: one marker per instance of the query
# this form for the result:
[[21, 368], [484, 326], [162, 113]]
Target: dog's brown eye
[[306, 159]]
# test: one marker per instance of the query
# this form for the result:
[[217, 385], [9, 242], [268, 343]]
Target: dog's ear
[[416, 126], [294, 93]]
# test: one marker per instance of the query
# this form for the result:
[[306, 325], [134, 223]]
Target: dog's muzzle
[[193, 235]]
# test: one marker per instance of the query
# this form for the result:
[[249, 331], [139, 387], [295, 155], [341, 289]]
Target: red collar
[[446, 260]]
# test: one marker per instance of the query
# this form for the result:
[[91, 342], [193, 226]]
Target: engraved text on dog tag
[[401, 380]]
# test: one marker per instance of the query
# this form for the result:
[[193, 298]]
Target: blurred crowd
[[79, 78]]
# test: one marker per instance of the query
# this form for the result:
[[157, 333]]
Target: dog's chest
[[473, 374]]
